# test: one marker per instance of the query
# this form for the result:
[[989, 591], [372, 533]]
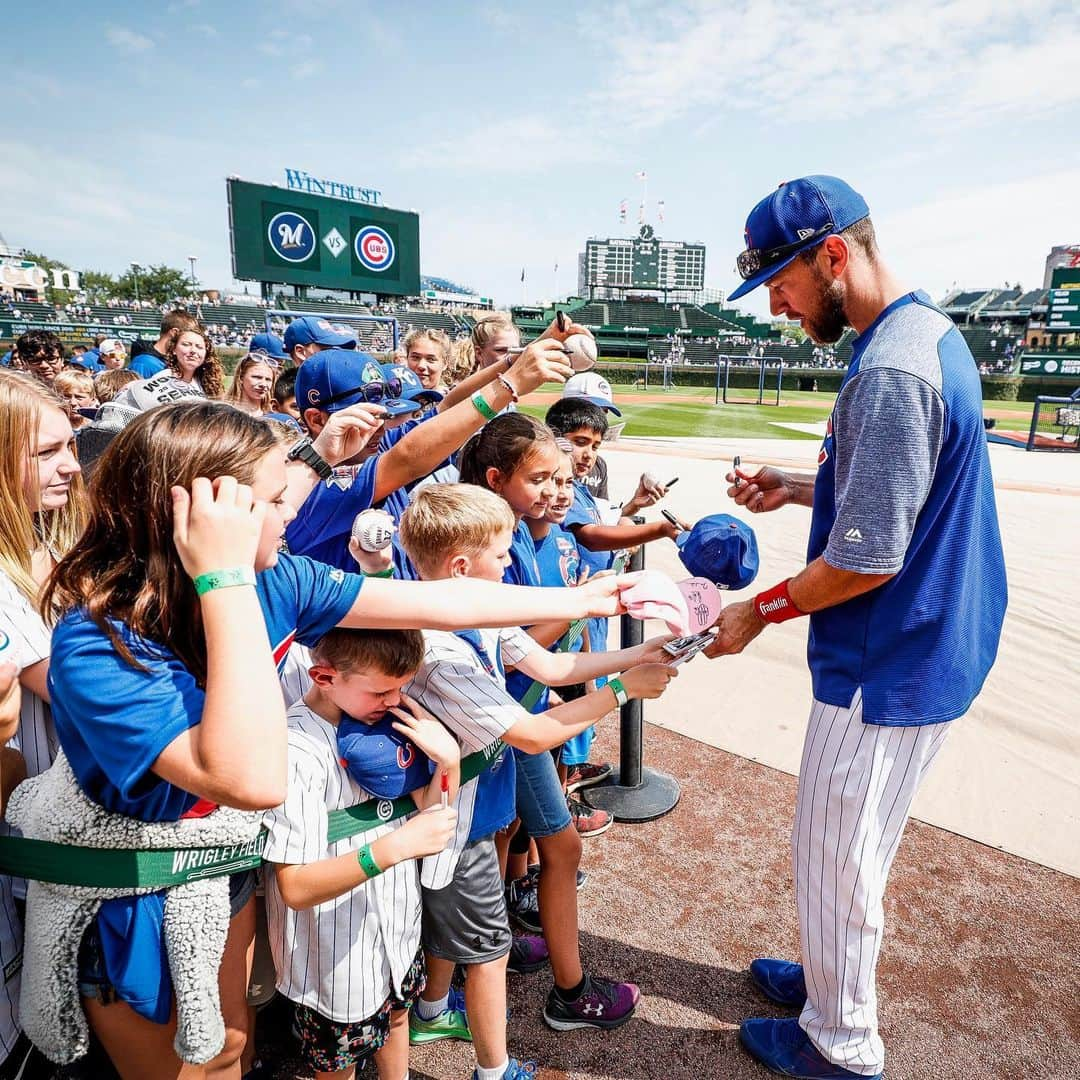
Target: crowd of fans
[[207, 642]]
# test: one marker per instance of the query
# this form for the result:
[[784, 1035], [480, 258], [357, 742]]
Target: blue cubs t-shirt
[[559, 561], [113, 721], [381, 760], [323, 524], [904, 488], [585, 511], [147, 365]]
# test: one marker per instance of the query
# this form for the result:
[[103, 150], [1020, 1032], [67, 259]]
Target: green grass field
[[701, 418]]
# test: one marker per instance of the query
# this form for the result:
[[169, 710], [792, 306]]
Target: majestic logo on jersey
[[374, 248], [853, 536], [291, 236], [385, 809]]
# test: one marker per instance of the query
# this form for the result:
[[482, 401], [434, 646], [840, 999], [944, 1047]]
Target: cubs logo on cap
[[291, 236], [374, 248]]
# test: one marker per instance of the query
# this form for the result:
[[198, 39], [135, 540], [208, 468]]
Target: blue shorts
[[94, 981], [541, 802]]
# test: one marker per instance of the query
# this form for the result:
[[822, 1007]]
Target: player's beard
[[827, 322]]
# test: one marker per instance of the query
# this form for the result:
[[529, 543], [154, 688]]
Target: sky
[[517, 129]]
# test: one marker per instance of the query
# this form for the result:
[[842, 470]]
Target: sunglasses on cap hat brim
[[265, 358], [374, 393], [754, 260]]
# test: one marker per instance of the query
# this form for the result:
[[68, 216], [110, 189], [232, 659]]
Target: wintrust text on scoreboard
[[299, 180]]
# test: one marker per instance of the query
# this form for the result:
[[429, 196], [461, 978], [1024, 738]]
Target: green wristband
[[619, 691], [367, 862], [224, 579], [482, 407], [388, 572]]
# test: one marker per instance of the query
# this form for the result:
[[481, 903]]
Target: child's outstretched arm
[[564, 668], [613, 537], [463, 603]]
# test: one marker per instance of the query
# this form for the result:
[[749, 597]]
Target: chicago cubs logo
[[406, 755], [291, 236], [385, 809], [374, 248]]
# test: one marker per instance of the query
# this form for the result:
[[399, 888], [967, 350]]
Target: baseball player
[[905, 590]]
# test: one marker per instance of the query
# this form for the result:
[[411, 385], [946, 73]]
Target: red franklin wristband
[[775, 605]]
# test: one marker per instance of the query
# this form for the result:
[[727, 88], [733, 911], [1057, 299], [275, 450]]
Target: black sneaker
[[523, 904], [534, 876], [601, 1004]]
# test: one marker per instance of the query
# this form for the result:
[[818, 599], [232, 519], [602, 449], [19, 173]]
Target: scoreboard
[[644, 262], [1063, 300], [278, 235]]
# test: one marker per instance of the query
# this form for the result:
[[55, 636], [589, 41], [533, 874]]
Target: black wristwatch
[[305, 452]]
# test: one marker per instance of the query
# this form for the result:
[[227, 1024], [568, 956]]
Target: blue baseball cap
[[722, 549], [270, 344], [412, 389], [312, 328], [796, 216], [381, 760], [333, 379]]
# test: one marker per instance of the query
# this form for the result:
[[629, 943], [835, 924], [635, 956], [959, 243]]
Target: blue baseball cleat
[[783, 1047], [779, 981]]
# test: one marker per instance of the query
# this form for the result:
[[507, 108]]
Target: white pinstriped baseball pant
[[856, 785]]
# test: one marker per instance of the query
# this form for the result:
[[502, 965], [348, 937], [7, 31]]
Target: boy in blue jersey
[[905, 588], [462, 530], [334, 379]]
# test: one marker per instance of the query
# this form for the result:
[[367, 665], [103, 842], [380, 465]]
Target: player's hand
[[767, 489], [737, 626], [371, 562], [542, 361], [648, 680], [348, 431], [425, 732], [429, 832], [652, 651], [216, 526], [10, 699]]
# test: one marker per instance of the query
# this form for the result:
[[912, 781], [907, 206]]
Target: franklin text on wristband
[[775, 605]]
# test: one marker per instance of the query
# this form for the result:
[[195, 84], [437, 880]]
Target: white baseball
[[581, 350], [373, 529]]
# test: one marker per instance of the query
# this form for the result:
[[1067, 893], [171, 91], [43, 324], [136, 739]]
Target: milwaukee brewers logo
[[291, 236], [374, 248]]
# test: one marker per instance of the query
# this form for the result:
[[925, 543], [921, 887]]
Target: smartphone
[[685, 648]]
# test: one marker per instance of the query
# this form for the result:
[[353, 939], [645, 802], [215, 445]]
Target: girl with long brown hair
[[173, 610], [253, 384], [192, 359]]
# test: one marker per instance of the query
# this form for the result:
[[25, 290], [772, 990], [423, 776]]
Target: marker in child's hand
[[444, 785], [671, 483], [736, 461]]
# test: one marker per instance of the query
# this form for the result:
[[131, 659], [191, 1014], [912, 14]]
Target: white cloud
[[207, 29], [283, 43], [128, 40], [837, 60]]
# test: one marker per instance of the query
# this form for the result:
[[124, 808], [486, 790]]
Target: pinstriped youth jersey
[[341, 958], [454, 685], [293, 673]]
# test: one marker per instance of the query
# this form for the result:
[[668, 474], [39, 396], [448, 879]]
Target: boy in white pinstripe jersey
[[344, 917], [905, 588]]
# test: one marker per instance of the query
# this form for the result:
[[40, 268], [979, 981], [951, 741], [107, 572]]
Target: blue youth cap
[[796, 216], [312, 328], [722, 549], [270, 344], [412, 389], [334, 379], [381, 760]]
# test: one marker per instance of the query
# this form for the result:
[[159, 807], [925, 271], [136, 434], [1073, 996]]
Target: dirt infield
[[977, 977]]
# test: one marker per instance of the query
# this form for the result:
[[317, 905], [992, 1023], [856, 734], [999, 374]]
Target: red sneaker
[[587, 821], [586, 775]]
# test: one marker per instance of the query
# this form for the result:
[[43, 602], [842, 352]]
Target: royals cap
[[722, 549], [312, 328], [593, 387], [796, 216]]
